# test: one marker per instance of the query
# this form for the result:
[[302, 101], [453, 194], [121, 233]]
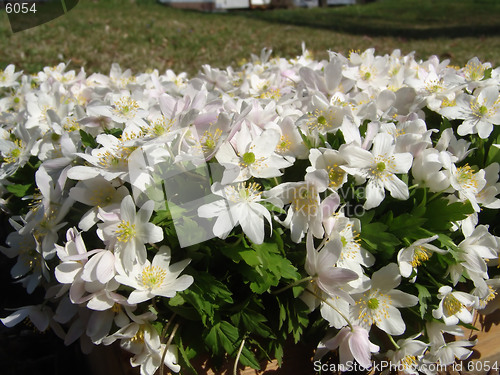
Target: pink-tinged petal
[[359, 346], [375, 194], [383, 144], [397, 188], [345, 352], [394, 324], [330, 281], [335, 342], [15, 317], [138, 296]]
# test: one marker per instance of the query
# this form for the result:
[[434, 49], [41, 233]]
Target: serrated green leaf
[[423, 295], [252, 321], [207, 295], [88, 140], [225, 336], [186, 354]]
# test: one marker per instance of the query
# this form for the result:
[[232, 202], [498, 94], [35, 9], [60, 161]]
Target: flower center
[[126, 231], [409, 362], [139, 336], [336, 175], [381, 166], [420, 255], [466, 177], [451, 305], [343, 240], [372, 303], [126, 107], [153, 276], [242, 192], [248, 158]]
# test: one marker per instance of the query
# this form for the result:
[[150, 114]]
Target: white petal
[[394, 324], [398, 188]]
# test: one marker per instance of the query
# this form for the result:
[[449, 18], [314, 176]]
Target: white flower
[[98, 193], [353, 344], [254, 157], [408, 355], [128, 231], [321, 266], [240, 206], [379, 305], [417, 253], [479, 112], [379, 167], [305, 211], [453, 306], [156, 278]]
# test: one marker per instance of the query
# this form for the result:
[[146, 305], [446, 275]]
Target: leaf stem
[[298, 282]]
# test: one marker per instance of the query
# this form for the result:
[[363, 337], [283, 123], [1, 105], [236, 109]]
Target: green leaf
[[88, 140], [306, 140], [19, 190], [487, 74], [407, 225], [376, 237], [186, 354], [440, 214], [207, 295], [252, 321], [423, 295], [225, 336]]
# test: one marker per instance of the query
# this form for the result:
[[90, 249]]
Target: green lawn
[[143, 35]]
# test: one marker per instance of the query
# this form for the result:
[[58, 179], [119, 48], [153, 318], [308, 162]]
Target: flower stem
[[171, 337], [393, 342], [308, 278], [237, 360], [333, 307]]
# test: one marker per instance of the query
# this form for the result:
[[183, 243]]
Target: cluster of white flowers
[[298, 136]]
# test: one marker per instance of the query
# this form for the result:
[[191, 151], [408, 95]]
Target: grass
[[144, 35]]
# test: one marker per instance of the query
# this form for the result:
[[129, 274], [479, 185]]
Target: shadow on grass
[[390, 25]]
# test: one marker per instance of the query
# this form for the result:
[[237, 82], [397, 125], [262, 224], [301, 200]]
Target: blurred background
[[146, 34]]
